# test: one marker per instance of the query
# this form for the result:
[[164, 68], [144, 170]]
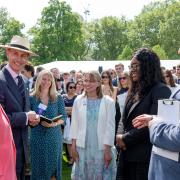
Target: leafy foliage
[[109, 36], [8, 27], [61, 34], [58, 34], [160, 52], [126, 53], [169, 31]]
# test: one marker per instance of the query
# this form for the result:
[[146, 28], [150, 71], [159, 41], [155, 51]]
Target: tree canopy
[[61, 34]]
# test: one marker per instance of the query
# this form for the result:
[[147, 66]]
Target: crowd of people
[[106, 127]]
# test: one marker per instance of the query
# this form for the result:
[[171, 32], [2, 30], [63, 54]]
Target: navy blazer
[[137, 140], [115, 81], [166, 136], [15, 108]]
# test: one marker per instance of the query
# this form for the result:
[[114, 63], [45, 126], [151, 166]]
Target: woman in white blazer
[[92, 132]]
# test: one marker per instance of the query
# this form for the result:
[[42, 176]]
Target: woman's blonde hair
[[52, 90], [95, 76]]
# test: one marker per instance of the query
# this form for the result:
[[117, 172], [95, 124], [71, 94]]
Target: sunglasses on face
[[72, 87], [122, 78], [105, 77], [58, 80]]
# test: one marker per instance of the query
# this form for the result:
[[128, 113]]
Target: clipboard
[[169, 112]]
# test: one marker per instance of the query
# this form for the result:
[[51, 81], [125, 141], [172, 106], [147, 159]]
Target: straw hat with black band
[[20, 44]]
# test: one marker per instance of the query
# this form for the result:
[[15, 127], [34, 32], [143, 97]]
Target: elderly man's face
[[17, 59]]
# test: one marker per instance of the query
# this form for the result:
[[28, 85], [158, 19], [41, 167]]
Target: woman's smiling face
[[135, 69]]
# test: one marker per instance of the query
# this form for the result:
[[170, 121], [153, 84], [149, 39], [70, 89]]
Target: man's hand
[[142, 121], [33, 118]]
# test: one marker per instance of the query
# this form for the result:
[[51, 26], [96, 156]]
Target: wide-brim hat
[[19, 43]]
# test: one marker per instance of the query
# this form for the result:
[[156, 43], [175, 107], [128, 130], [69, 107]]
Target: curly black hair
[[150, 72]]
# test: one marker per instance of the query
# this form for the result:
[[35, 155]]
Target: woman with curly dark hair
[[147, 86]]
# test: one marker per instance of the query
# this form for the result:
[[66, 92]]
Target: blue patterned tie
[[21, 86]]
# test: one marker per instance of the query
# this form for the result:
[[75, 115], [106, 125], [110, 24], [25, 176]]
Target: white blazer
[[106, 121]]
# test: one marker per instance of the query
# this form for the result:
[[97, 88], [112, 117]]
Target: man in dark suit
[[14, 98]]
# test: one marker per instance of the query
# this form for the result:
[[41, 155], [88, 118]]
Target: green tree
[[160, 52], [109, 38], [144, 30], [169, 31], [126, 53], [58, 34], [8, 28]]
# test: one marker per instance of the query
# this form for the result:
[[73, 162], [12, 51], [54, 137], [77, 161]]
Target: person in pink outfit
[[7, 149]]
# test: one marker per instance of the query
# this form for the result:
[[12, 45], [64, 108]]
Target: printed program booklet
[[48, 120]]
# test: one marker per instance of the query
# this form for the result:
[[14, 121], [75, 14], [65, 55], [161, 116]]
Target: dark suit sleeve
[[18, 119], [162, 92], [16, 116], [135, 136]]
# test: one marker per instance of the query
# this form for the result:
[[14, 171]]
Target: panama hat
[[19, 43]]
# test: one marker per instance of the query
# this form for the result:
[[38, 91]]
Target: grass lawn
[[66, 171]]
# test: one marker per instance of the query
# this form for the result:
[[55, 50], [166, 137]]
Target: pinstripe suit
[[15, 107]]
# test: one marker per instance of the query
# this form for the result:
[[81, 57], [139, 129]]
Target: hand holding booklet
[[48, 120]]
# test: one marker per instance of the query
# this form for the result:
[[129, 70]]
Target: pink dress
[[7, 149]]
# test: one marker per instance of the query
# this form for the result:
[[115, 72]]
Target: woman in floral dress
[[92, 132]]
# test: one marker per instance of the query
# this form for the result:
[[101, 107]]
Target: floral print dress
[[91, 160]]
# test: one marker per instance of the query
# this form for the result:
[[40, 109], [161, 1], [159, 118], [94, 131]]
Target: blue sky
[[28, 11]]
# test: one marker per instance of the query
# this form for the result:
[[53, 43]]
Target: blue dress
[[91, 159], [46, 143]]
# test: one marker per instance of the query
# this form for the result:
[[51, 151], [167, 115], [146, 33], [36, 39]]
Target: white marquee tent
[[66, 66]]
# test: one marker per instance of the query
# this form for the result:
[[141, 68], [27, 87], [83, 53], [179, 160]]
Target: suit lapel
[[133, 107], [13, 88]]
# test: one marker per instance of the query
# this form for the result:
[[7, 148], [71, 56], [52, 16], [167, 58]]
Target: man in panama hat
[[14, 98]]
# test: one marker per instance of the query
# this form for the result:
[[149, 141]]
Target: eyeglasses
[[122, 78], [105, 77], [58, 80], [134, 66], [72, 87], [90, 81]]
